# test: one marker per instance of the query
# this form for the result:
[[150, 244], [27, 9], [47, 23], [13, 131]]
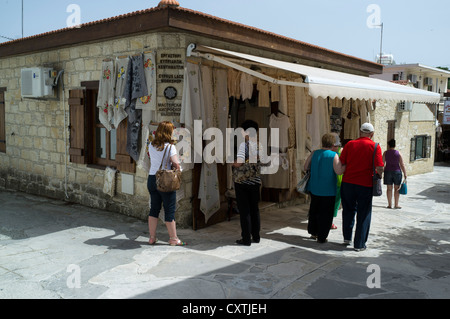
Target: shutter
[[124, 161], [77, 150], [412, 156], [391, 130], [2, 122], [428, 147]]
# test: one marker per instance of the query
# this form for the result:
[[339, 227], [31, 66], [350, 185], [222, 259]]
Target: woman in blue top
[[325, 166]]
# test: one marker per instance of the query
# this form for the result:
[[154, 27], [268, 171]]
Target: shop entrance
[[239, 111]]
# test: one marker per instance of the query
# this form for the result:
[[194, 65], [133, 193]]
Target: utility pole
[[381, 45], [22, 19]]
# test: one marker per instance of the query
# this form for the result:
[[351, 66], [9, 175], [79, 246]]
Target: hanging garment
[[136, 88], [351, 128], [208, 111], [345, 108], [149, 101], [362, 110], [136, 84], [263, 93], [281, 178], [122, 66], [337, 102], [144, 158], [274, 92], [208, 190], [109, 186], [313, 125], [283, 104], [209, 194], [301, 109], [292, 168], [283, 123], [234, 83], [221, 98], [318, 122], [246, 86], [105, 101], [191, 108]]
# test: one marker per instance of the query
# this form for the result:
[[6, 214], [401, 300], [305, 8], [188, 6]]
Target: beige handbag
[[167, 180]]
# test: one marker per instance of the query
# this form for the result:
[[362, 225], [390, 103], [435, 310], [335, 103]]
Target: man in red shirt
[[356, 188]]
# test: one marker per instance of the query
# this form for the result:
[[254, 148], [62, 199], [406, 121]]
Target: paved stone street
[[51, 249]]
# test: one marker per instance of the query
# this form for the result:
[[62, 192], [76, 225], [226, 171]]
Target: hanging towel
[[109, 186], [274, 92], [281, 122], [283, 104], [105, 101], [122, 66], [191, 107], [144, 158], [209, 190], [246, 86], [136, 88], [149, 101], [263, 93], [234, 83]]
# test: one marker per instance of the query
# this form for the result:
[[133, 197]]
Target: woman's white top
[[157, 156]]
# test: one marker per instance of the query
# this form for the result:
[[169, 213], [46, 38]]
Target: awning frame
[[211, 57], [359, 86]]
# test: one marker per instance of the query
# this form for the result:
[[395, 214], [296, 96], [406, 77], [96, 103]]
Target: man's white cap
[[367, 128]]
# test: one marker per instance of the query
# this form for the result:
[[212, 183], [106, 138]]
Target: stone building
[[413, 125], [53, 145]]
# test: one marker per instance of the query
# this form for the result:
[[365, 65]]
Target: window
[[90, 142], [2, 121], [420, 147], [104, 143]]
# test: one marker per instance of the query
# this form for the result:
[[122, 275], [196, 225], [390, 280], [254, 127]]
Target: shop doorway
[[239, 111]]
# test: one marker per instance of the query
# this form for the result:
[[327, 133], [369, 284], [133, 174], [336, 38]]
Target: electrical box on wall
[[38, 82]]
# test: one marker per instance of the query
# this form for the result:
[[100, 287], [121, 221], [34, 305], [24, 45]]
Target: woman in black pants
[[248, 189]]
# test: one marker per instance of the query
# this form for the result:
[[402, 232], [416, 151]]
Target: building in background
[[419, 122]]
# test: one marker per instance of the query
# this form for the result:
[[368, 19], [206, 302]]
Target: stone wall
[[404, 131], [36, 160]]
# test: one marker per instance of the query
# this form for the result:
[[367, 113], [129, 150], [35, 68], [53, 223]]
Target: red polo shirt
[[358, 156]]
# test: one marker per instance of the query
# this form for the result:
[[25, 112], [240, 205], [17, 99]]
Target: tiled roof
[[106, 20], [200, 14]]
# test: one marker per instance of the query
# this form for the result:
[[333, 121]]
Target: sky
[[415, 31]]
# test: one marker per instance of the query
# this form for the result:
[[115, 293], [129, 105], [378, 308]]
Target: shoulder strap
[[162, 160], [373, 161]]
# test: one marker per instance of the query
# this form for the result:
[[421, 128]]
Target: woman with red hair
[[161, 145]]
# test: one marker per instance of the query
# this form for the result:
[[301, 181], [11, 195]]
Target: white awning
[[326, 83]]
